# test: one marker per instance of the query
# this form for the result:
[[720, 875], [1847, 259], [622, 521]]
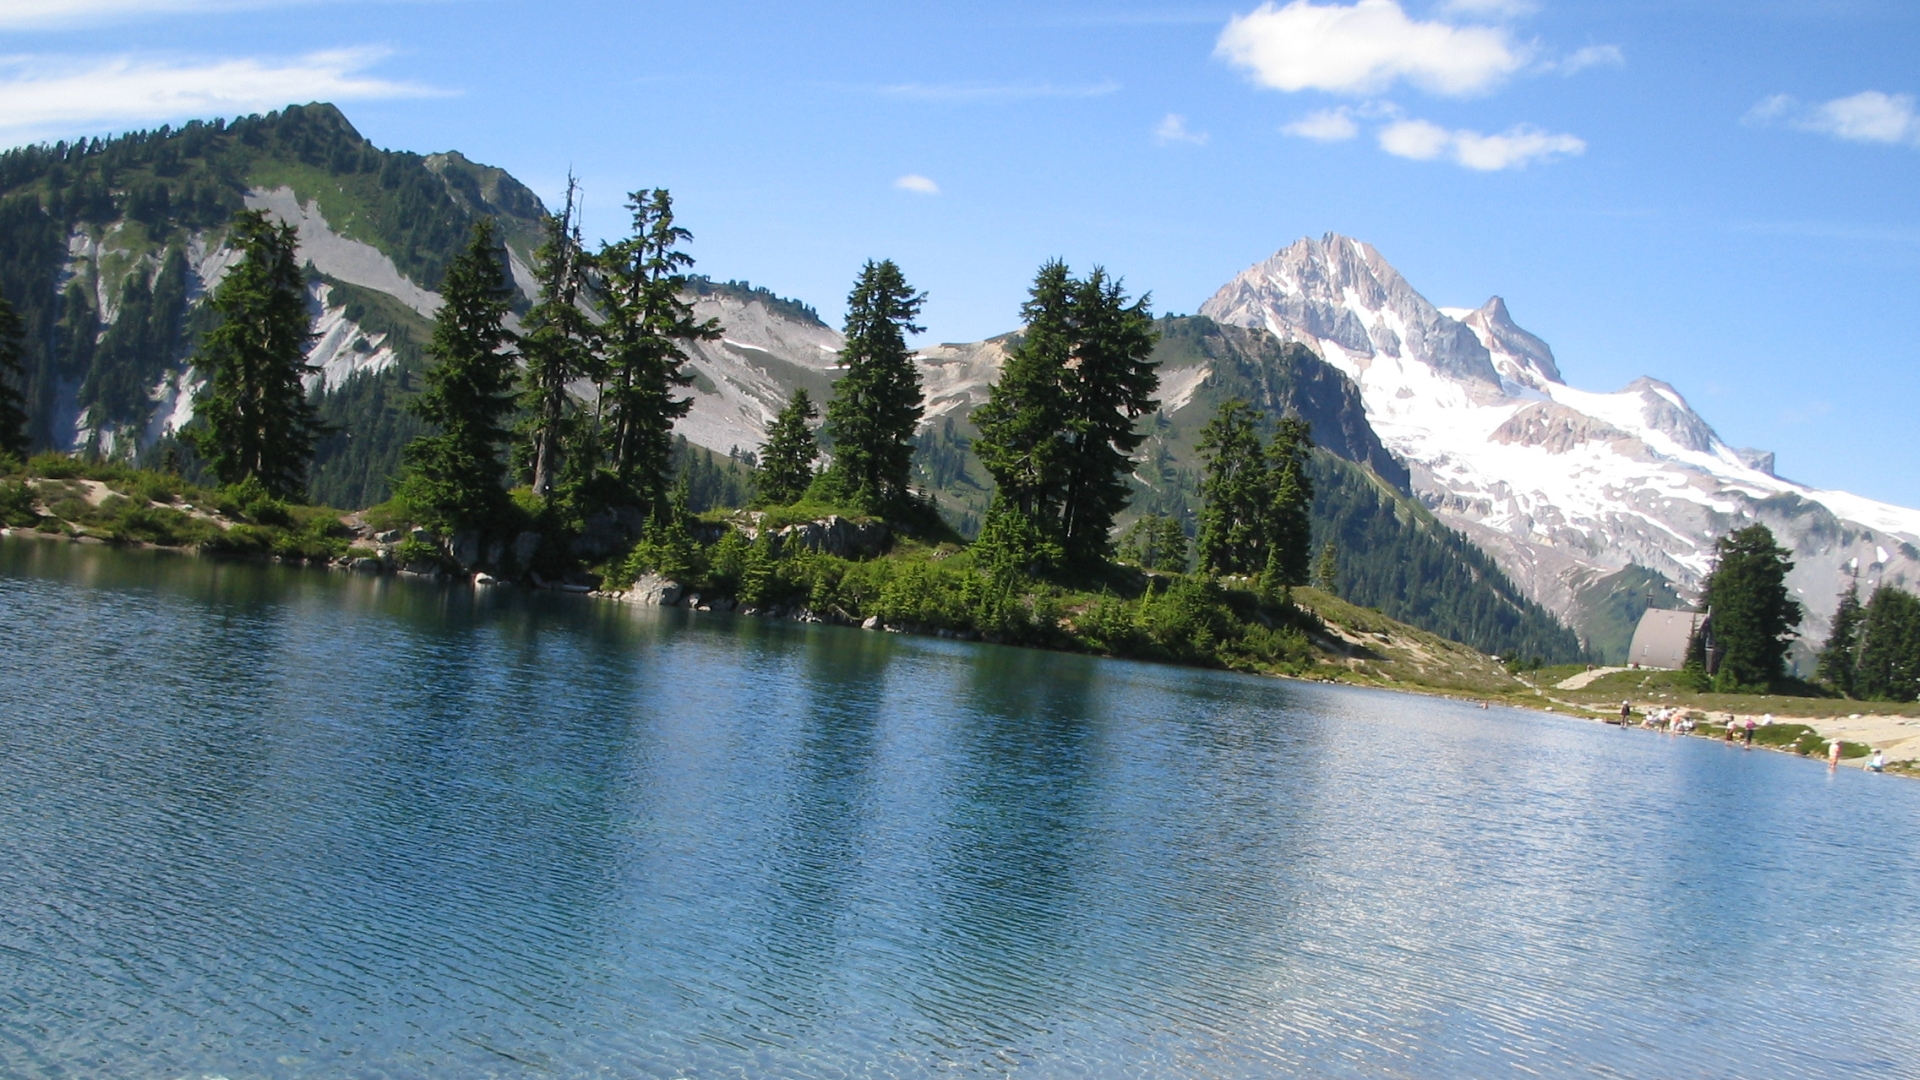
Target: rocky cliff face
[[1564, 486]]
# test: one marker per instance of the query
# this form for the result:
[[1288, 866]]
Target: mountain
[[110, 247], [1580, 496]]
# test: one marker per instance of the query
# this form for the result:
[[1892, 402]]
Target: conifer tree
[[13, 377], [1022, 442], [647, 324], [1234, 491], [1753, 612], [558, 345], [1326, 569], [456, 474], [786, 461], [876, 404], [1890, 647], [1289, 526], [258, 421], [1112, 386], [1840, 656]]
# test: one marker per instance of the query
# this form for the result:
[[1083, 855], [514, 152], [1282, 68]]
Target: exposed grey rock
[[464, 548], [524, 547], [484, 578], [836, 535], [872, 623], [387, 536], [654, 591], [365, 565]]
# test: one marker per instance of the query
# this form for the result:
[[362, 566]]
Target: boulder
[[839, 536], [524, 547], [484, 578], [602, 534], [365, 565], [724, 603], [464, 548], [655, 591], [872, 623], [387, 536]]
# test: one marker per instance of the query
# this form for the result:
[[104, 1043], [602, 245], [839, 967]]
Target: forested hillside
[[109, 244]]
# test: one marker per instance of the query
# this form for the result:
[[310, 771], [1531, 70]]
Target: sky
[[1724, 195]]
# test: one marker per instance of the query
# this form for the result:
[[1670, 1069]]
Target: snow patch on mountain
[[1560, 484]]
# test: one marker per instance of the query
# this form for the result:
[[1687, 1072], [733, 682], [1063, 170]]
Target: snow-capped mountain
[[1563, 486]]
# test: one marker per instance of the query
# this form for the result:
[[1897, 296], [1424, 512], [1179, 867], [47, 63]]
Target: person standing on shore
[[1878, 762], [1626, 714], [1750, 726], [1833, 754]]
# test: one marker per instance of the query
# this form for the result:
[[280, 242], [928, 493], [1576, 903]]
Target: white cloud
[[1869, 116], [1416, 139], [19, 14], [1327, 125], [42, 93], [1514, 149], [1365, 48], [1174, 130], [1591, 56], [996, 91], [919, 185], [1489, 9]]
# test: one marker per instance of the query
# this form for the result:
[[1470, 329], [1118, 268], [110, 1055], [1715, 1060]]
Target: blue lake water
[[272, 822]]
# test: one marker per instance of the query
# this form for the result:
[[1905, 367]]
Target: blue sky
[[1723, 195]]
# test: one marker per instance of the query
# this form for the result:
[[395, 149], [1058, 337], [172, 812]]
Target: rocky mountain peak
[[1532, 358], [1341, 292]]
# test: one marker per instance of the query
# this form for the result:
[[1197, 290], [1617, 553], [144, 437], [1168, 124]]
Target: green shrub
[[250, 501], [16, 504]]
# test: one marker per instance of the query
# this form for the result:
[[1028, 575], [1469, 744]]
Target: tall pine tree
[[456, 475], [786, 461], [258, 421], [13, 379], [876, 405], [1112, 387], [1233, 491], [647, 325], [1289, 524], [1840, 656], [1752, 611], [1023, 423], [1890, 647], [558, 344]]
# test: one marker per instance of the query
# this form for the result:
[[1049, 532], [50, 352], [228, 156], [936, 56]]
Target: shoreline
[[1902, 747]]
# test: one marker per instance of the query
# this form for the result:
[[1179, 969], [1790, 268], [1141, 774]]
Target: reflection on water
[[263, 822]]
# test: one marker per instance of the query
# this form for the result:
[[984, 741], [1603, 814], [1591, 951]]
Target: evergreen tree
[[1289, 525], [258, 421], [1112, 386], [786, 460], [1326, 569], [1840, 657], [558, 345], [1155, 543], [456, 475], [647, 324], [1234, 492], [1022, 442], [13, 378], [1890, 647], [876, 404], [1752, 611]]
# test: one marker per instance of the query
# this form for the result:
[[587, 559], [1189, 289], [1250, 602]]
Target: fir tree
[[1890, 647], [1022, 442], [456, 474], [876, 405], [558, 345], [1112, 386], [13, 378], [258, 421], [1840, 657], [647, 324], [1289, 525], [1155, 543], [1326, 569], [786, 460], [1234, 490], [1752, 611]]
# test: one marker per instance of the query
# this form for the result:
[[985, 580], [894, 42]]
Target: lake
[[262, 821]]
